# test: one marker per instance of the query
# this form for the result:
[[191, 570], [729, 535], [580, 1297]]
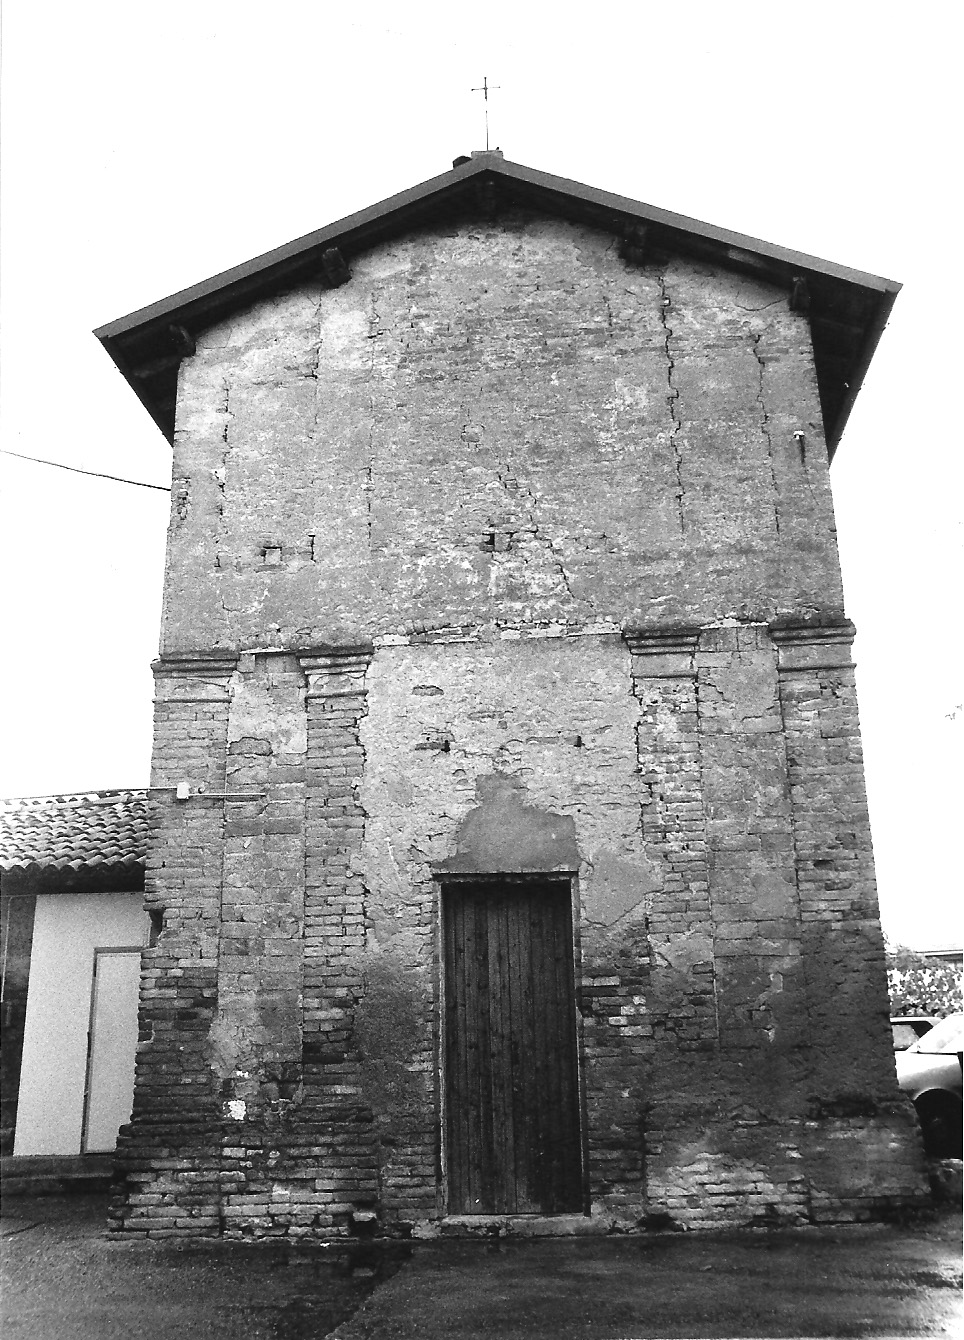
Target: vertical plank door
[[512, 1106]]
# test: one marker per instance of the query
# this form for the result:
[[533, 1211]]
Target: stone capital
[[336, 672], [662, 653], [193, 678], [807, 646]]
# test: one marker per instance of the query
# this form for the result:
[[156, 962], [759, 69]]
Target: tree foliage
[[920, 985]]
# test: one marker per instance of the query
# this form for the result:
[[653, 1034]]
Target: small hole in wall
[[157, 925], [488, 541], [271, 554], [578, 742], [440, 744]]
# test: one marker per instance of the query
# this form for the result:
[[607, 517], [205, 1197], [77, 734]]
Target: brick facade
[[509, 556]]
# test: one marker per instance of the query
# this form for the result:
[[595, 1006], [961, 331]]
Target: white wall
[[67, 930]]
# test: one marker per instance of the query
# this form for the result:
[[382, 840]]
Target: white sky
[[148, 147]]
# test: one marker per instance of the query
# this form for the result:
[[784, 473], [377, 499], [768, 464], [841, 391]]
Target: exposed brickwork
[[334, 942], [172, 1150], [850, 1089], [502, 424], [521, 560]]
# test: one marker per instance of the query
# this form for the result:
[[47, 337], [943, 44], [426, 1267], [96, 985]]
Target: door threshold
[[518, 1225]]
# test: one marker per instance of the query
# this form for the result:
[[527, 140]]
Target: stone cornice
[[662, 653], [336, 672], [194, 667], [808, 646], [193, 679]]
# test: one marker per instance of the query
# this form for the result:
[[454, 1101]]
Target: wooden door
[[511, 1089]]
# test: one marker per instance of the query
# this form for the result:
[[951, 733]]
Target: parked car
[[909, 1027], [930, 1073]]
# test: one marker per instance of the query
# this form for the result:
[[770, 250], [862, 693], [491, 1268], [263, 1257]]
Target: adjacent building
[[73, 927]]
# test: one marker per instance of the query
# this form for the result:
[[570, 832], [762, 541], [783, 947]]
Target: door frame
[[566, 878], [91, 1027]]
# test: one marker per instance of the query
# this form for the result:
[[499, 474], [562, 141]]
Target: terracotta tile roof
[[83, 831]]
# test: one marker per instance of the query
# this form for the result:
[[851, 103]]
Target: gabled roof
[[848, 309], [92, 838]]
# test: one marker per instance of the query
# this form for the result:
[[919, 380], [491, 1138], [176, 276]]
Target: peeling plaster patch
[[388, 890], [682, 952], [773, 894], [255, 713], [237, 1109], [738, 692], [344, 330], [387, 262], [503, 833], [225, 1045], [615, 887]]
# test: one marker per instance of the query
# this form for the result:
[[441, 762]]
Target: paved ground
[[64, 1279]]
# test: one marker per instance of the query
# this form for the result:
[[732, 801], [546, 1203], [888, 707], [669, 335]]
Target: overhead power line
[[75, 469]]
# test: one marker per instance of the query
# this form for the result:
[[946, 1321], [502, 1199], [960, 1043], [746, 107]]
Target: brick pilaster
[[256, 1038], [170, 1152], [674, 836], [334, 943], [760, 989], [679, 985], [834, 859], [861, 1145]]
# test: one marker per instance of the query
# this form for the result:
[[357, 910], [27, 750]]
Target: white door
[[69, 929], [113, 1046]]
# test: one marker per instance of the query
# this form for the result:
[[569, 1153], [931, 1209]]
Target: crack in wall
[[312, 437], [520, 492], [765, 428], [701, 783], [368, 487], [648, 798], [511, 484], [672, 398], [358, 686], [221, 474]]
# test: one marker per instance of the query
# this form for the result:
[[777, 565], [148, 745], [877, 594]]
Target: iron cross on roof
[[484, 88]]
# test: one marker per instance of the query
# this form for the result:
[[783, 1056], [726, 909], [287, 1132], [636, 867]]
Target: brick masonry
[[509, 556]]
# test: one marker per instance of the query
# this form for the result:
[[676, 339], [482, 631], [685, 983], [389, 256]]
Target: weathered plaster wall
[[498, 424], [509, 556]]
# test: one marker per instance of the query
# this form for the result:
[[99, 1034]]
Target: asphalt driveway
[[65, 1279]]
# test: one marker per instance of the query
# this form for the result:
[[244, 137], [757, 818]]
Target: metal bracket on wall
[[183, 792]]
